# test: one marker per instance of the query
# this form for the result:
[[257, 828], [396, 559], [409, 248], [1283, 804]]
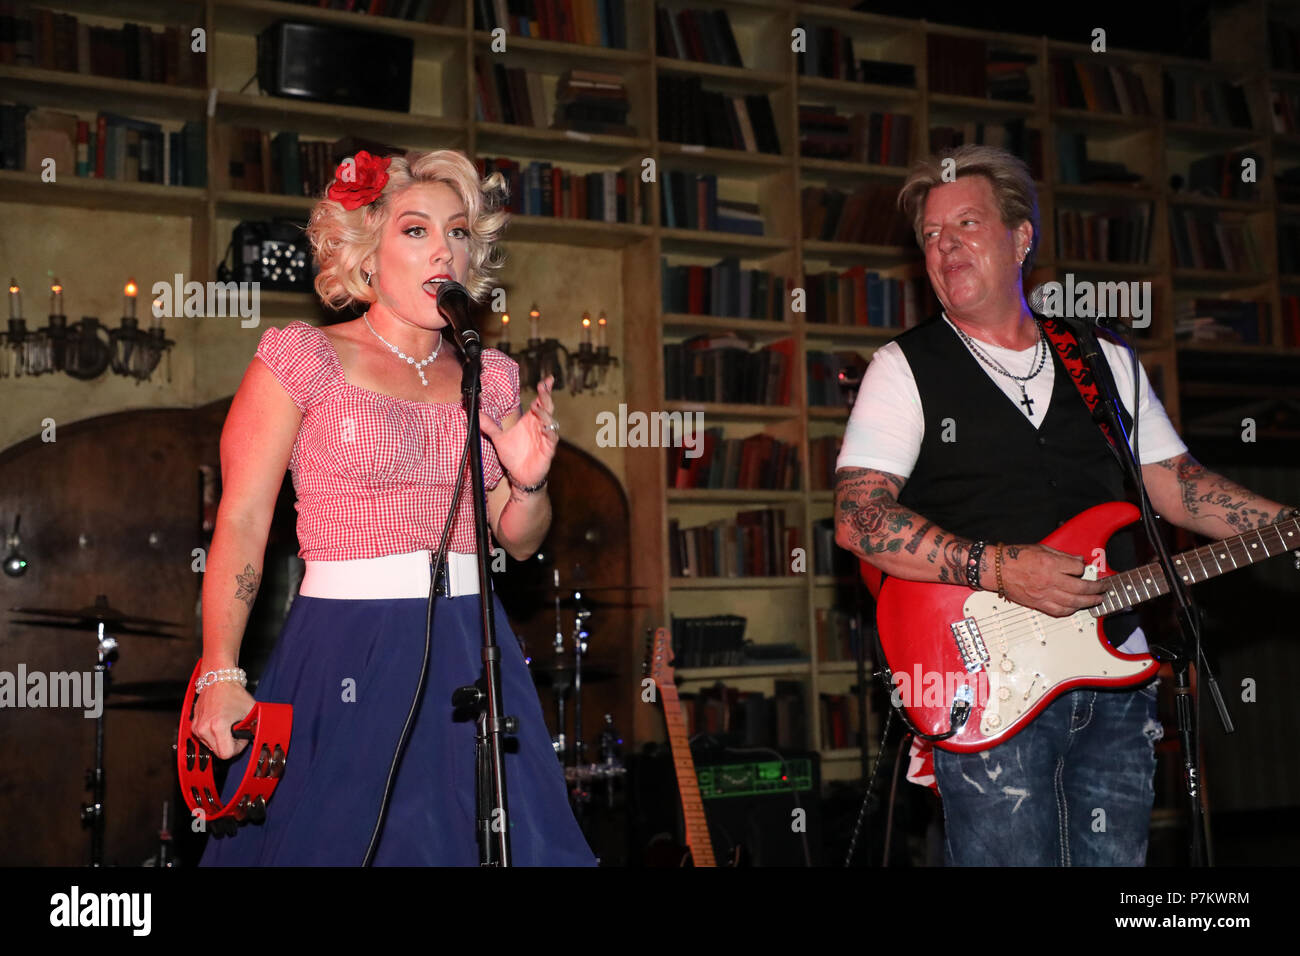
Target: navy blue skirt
[[350, 669]]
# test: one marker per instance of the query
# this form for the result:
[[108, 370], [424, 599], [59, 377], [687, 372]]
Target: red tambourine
[[268, 726]]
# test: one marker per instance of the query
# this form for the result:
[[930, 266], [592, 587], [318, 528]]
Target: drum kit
[[564, 672]]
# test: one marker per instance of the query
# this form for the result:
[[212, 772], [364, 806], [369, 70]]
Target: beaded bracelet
[[973, 558], [997, 567], [528, 488], [216, 677]]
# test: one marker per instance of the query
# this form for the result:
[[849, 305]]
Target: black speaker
[[311, 61], [766, 804]]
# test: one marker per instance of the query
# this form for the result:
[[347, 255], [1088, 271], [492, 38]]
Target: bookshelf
[[444, 114]]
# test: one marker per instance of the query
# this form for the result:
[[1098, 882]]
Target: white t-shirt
[[887, 424]]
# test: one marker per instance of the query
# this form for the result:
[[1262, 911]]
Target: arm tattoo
[[914, 545], [248, 582], [1205, 494], [867, 507]]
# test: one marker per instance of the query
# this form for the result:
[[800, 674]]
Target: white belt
[[387, 577]]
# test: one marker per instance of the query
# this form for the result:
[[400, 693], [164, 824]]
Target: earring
[[368, 275]]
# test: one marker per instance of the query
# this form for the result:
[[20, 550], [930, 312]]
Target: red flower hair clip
[[359, 180]]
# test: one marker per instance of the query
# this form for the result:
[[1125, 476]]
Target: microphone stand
[[1188, 613], [493, 826]]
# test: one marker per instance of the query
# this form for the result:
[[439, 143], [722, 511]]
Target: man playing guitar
[[969, 431]]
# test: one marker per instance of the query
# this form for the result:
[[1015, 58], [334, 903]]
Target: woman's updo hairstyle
[[343, 239]]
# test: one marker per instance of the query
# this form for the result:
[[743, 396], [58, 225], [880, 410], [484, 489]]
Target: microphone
[[453, 303], [1037, 299]]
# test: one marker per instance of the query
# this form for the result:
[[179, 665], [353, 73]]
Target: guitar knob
[[993, 721], [1004, 693], [1007, 665]]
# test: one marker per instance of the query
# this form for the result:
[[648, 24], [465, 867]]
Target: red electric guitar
[[953, 651]]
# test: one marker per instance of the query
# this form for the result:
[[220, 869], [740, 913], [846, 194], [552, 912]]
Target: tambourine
[[268, 726]]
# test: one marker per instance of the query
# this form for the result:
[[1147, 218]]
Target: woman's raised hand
[[527, 447]]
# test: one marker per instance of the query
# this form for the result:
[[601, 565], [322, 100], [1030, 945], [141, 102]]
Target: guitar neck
[[1130, 588], [697, 827]]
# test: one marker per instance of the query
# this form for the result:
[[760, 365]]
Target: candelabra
[[86, 349], [585, 369]]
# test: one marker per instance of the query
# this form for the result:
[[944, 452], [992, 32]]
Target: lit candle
[[56, 298], [534, 323], [128, 305], [15, 300], [505, 328], [600, 330], [586, 328]]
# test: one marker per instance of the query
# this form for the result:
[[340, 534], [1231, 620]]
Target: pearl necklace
[[410, 359]]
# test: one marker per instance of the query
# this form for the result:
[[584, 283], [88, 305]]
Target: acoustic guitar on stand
[[985, 666]]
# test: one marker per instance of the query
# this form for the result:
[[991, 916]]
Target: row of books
[[689, 113], [749, 718], [1291, 321], [1013, 135], [1098, 85], [416, 11], [881, 138], [824, 389], [759, 462], [1220, 175], [755, 543], [828, 557], [1196, 98], [1220, 320], [830, 54], [861, 298], [1288, 247], [106, 147], [838, 631], [545, 189], [59, 41], [841, 721], [714, 641], [822, 455], [690, 201], [727, 368], [1115, 235], [1213, 239], [590, 102], [704, 36], [256, 160], [723, 289], [868, 215], [593, 22], [1074, 166], [966, 66]]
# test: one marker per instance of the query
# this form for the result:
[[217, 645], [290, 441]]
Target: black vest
[[996, 477]]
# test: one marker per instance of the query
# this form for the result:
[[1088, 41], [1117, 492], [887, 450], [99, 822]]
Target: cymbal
[[551, 676], [99, 611], [114, 631]]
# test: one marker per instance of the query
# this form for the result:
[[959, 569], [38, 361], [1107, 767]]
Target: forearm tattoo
[[1206, 495], [248, 583], [867, 509]]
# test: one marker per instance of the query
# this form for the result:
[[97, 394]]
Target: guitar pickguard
[[1029, 653]]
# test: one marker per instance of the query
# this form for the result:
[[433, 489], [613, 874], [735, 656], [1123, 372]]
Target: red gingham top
[[374, 473]]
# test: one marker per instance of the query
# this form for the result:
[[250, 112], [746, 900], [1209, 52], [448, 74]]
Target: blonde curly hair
[[343, 239]]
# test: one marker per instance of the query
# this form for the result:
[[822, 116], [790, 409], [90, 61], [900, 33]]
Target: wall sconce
[[86, 349], [584, 370], [15, 563]]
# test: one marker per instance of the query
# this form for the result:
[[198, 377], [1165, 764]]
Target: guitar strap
[[1063, 340]]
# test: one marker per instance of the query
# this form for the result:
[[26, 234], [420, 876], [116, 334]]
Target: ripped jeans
[[1074, 788]]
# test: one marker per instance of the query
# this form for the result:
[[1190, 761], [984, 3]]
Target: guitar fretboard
[[697, 826], [1130, 588]]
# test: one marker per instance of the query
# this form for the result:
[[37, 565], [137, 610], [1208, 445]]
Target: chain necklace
[[410, 359], [1040, 351]]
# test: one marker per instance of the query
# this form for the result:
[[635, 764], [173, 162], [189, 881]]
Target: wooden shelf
[[327, 119], [715, 74], [556, 56], [86, 192], [681, 322], [752, 670], [432, 41], [849, 89], [702, 241], [87, 92], [553, 144], [729, 495], [733, 410], [728, 584]]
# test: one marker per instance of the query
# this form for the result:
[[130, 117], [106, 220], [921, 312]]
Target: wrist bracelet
[[219, 676], [997, 567], [973, 558], [527, 488]]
